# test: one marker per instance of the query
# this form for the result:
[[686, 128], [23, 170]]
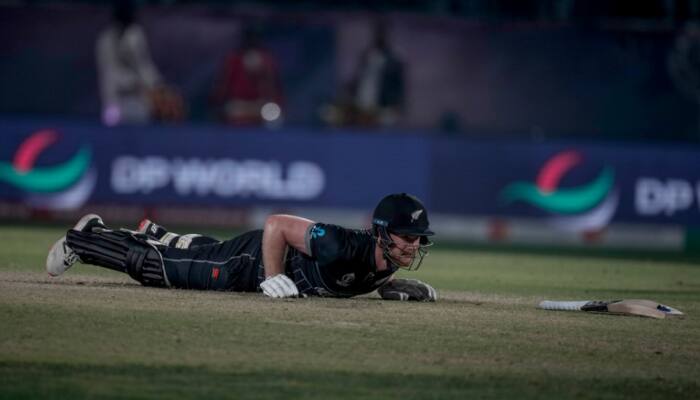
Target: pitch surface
[[95, 333]]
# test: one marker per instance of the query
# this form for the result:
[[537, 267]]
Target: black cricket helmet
[[402, 214]]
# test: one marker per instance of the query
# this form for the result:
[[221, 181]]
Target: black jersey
[[341, 262]]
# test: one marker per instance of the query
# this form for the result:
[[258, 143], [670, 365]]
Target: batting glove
[[279, 286], [407, 289]]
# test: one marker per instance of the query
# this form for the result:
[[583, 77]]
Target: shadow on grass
[[27, 380]]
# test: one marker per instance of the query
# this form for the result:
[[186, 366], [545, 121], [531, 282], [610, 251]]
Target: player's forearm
[[273, 248]]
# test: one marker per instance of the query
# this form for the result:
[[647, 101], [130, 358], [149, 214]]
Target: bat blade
[[652, 304], [626, 308]]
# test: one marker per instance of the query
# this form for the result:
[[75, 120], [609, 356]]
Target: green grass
[[94, 333]]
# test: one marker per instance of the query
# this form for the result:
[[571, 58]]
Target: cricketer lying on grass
[[290, 257]]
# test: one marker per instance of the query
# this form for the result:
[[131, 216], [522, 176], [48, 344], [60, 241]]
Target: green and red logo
[[587, 207], [65, 185]]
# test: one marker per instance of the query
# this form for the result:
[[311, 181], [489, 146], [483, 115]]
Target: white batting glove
[[279, 286]]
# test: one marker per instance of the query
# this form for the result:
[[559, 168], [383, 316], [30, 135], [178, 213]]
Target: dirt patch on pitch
[[35, 278], [120, 291]]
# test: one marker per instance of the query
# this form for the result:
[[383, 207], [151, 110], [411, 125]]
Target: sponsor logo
[[587, 207], [299, 180], [65, 185], [317, 232], [346, 280], [666, 197], [323, 292], [380, 222]]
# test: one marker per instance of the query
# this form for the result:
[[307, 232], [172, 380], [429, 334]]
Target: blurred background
[[539, 122]]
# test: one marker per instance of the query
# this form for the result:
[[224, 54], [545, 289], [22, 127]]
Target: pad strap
[[122, 251]]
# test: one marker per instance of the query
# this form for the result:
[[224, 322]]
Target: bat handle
[[562, 305]]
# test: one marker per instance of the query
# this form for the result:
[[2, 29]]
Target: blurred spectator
[[375, 95], [131, 88], [684, 63], [249, 91]]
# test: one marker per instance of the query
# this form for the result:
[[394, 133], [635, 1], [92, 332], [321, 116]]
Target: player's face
[[404, 248]]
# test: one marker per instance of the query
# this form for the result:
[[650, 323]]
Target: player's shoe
[[61, 257]]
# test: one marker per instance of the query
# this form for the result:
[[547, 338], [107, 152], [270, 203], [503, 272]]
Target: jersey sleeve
[[327, 243]]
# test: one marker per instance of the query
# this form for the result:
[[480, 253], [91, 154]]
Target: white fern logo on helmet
[[415, 215]]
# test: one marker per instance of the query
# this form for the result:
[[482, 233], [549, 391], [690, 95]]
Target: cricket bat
[[642, 308]]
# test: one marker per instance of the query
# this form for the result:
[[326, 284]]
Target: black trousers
[[234, 264]]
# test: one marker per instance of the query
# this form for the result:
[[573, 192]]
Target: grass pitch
[[95, 333]]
